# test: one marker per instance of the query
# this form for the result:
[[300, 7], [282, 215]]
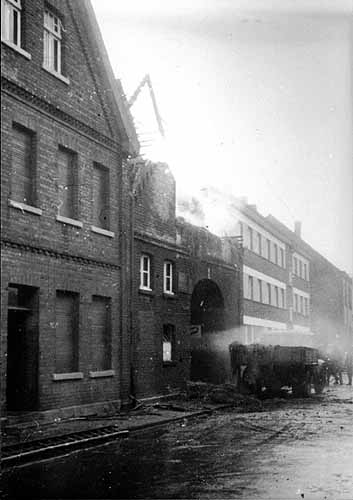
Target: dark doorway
[[207, 310], [22, 348], [207, 306]]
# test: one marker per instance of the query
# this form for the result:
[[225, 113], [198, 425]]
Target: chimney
[[298, 228]]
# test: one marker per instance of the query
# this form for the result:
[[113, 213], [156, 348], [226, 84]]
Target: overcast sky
[[256, 99]]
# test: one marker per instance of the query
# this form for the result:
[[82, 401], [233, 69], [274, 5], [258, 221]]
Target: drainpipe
[[134, 178]]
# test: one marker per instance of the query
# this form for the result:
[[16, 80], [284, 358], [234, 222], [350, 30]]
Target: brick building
[[183, 276], [65, 232], [330, 291], [287, 285]]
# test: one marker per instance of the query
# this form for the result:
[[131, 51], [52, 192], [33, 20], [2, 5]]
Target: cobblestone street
[[294, 448]]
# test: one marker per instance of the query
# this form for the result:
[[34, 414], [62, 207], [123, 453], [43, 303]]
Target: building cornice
[[58, 255]]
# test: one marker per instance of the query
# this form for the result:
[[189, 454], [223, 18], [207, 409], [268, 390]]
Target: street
[[295, 448]]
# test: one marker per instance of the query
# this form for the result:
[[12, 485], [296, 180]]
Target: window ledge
[[67, 220], [25, 208], [103, 232], [67, 376], [17, 49], [146, 291], [57, 75], [102, 373], [169, 363], [169, 295]]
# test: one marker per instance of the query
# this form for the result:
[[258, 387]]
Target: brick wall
[[41, 251]]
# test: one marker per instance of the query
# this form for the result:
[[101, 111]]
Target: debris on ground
[[222, 394]]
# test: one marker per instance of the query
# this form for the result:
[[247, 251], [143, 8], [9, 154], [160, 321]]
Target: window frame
[[168, 277], [53, 44], [32, 137], [8, 9], [74, 175], [145, 272]]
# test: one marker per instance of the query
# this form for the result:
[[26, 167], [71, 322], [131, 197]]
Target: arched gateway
[[207, 313]]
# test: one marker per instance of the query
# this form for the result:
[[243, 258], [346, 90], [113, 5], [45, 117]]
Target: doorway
[[22, 348]]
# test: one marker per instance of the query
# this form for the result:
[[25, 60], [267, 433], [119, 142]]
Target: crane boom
[[147, 81]]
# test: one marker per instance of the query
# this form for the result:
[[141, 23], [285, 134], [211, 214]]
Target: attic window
[[53, 44]]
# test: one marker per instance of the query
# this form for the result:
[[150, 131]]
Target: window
[[66, 338], [251, 238], [259, 290], [296, 303], [276, 297], [23, 160], [283, 300], [168, 277], [269, 293], [168, 343], [265, 293], [250, 287], [268, 242], [295, 266], [275, 253], [259, 243], [281, 254], [100, 197], [11, 22], [52, 42], [101, 333], [301, 310], [306, 306], [145, 272], [67, 175]]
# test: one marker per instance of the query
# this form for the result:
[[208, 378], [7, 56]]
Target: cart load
[[258, 367]]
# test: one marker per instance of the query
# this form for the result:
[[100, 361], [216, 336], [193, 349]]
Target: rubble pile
[[221, 394]]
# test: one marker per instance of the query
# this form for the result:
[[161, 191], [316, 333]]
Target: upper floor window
[[259, 243], [52, 42], [145, 272], [168, 277], [251, 238], [67, 176], [100, 197], [23, 165], [11, 21], [281, 257]]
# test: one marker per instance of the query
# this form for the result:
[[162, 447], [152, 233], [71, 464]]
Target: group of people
[[337, 364]]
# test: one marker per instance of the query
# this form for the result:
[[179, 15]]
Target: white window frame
[[145, 271], [8, 10], [52, 34], [168, 269]]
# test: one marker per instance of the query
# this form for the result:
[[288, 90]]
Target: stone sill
[[102, 373], [169, 295], [70, 222], [169, 363], [67, 376], [57, 75], [24, 207], [17, 49], [103, 232], [147, 291]]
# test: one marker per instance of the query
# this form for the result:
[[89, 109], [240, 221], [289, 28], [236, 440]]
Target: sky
[[256, 100]]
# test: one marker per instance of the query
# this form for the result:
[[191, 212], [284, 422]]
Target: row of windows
[[301, 304], [146, 275], [12, 32], [300, 268], [23, 179], [266, 248], [260, 291]]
